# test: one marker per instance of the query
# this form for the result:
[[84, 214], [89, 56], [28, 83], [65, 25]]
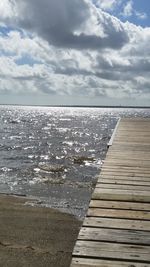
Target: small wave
[[12, 121], [5, 169], [52, 168], [46, 157], [28, 147], [62, 130], [15, 137], [95, 164], [82, 160], [47, 180], [31, 156], [69, 143], [46, 128], [77, 149], [37, 170], [31, 137], [5, 147], [60, 157], [65, 119]]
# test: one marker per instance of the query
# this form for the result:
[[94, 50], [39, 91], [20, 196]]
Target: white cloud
[[75, 24], [119, 71], [108, 5], [6, 10], [141, 15], [128, 9]]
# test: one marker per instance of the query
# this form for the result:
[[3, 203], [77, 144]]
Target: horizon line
[[77, 106]]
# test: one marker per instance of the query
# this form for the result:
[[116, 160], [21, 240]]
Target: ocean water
[[54, 154]]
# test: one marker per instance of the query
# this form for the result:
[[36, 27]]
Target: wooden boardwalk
[[116, 230]]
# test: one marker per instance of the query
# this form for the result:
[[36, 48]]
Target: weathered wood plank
[[122, 214], [125, 195], [131, 157], [122, 182], [125, 173], [119, 205], [126, 168], [88, 262], [117, 223], [129, 147], [118, 236], [135, 143], [128, 164], [123, 187], [127, 161], [111, 152], [112, 251], [123, 177]]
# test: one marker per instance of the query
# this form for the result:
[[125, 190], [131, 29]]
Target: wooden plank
[[119, 205], [129, 147], [126, 167], [125, 195], [123, 182], [123, 187], [140, 135], [117, 223], [112, 151], [121, 133], [128, 138], [135, 143], [131, 140], [88, 262], [112, 251], [121, 214], [137, 119], [135, 126], [125, 173], [117, 235], [124, 177], [131, 158], [127, 164]]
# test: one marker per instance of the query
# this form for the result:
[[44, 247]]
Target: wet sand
[[34, 236]]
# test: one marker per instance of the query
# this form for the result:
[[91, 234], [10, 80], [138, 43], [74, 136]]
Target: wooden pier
[[116, 230]]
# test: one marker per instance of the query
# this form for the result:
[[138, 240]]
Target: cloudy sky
[[83, 52]]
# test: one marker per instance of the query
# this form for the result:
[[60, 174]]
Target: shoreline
[[35, 236]]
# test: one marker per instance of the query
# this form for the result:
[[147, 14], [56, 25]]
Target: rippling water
[[54, 154]]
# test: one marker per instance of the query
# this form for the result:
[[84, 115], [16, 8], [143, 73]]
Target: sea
[[53, 155]]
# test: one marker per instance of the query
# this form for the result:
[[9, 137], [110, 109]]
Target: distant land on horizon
[[79, 106]]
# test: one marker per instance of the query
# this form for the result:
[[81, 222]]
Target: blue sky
[[75, 52], [138, 10], [140, 13]]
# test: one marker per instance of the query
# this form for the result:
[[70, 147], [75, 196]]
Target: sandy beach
[[35, 236]]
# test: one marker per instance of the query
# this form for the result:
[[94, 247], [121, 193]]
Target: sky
[[75, 52]]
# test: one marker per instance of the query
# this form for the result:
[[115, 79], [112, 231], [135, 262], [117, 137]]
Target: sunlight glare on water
[[54, 154]]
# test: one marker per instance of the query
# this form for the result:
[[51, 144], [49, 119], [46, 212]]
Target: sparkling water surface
[[54, 154]]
